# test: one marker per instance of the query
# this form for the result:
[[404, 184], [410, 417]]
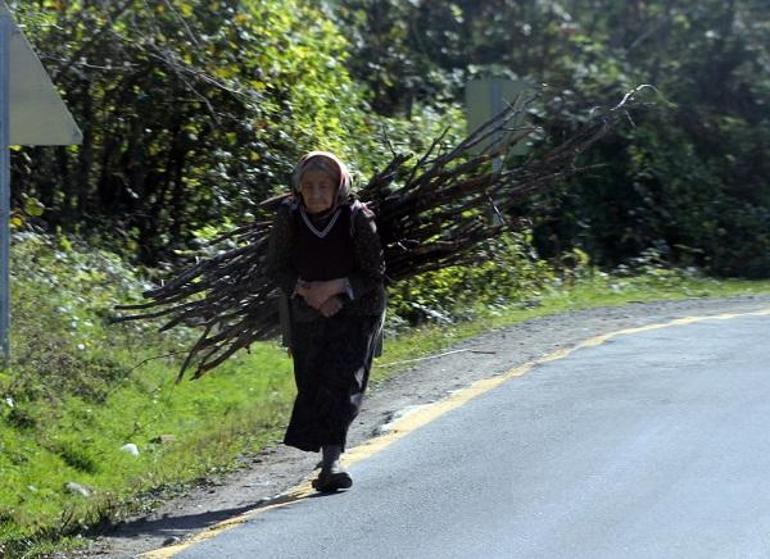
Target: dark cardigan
[[354, 230]]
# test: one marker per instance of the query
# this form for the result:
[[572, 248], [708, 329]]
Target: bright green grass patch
[[80, 388], [210, 422]]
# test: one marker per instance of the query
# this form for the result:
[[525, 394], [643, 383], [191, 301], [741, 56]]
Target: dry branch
[[429, 219]]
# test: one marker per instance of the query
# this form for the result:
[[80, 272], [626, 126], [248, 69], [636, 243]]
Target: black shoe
[[329, 481]]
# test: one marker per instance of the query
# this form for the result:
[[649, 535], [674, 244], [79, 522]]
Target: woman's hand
[[332, 306], [316, 293]]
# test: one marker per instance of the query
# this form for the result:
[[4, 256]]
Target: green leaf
[[33, 207]]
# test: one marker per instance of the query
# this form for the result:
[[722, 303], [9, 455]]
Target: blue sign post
[[31, 114], [6, 28]]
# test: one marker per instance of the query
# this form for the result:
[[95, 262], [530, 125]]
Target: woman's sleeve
[[370, 264], [278, 263]]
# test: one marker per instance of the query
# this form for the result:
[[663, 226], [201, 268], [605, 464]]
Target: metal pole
[[6, 28]]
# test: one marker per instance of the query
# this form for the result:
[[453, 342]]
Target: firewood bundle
[[429, 212]]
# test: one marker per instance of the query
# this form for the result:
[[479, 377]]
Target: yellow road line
[[424, 415]]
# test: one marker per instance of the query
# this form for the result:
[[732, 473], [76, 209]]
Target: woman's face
[[318, 189]]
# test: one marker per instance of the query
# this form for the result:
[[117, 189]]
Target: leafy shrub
[[502, 271], [71, 290]]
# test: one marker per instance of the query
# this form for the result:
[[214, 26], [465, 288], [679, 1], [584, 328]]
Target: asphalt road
[[655, 444]]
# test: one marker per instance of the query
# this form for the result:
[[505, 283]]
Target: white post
[[6, 28], [496, 103]]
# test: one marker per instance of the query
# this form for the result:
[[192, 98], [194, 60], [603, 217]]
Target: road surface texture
[[651, 444]]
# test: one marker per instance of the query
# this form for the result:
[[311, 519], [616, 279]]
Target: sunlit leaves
[[33, 207], [195, 110]]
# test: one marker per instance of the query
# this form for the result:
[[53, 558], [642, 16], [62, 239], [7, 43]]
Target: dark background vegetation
[[193, 111]]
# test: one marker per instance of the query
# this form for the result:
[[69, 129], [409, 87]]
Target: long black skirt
[[332, 360]]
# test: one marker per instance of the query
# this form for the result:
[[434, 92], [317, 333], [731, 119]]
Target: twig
[[436, 356], [143, 361]]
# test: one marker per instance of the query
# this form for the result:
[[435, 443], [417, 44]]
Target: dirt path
[[279, 468]]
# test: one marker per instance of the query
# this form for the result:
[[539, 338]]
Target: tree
[[191, 111]]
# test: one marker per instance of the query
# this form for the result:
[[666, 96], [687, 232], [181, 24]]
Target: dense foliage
[[193, 110], [688, 178]]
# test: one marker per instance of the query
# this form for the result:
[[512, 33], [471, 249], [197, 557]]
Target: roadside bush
[[503, 270], [62, 299]]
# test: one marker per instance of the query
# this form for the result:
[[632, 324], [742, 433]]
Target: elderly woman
[[325, 255]]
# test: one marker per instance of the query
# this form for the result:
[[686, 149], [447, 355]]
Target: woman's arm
[[370, 262], [316, 293]]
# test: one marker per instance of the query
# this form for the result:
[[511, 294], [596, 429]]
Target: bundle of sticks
[[430, 213]]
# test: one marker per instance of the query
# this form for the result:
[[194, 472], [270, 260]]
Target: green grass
[[594, 290], [213, 421], [79, 389]]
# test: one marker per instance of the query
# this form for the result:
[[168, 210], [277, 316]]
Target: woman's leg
[[332, 360], [349, 347], [307, 354]]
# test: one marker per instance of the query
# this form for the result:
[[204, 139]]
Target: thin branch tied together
[[430, 214]]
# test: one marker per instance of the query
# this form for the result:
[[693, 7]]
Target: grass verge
[[592, 290]]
